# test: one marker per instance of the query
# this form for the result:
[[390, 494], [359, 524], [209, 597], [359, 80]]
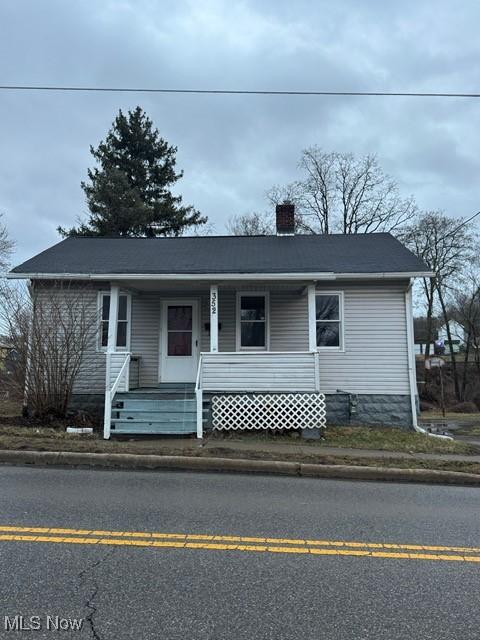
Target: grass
[[379, 438], [388, 439], [450, 415], [468, 431]]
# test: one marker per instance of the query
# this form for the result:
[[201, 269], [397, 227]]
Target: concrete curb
[[190, 463]]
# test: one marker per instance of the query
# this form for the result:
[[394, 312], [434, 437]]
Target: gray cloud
[[233, 148]]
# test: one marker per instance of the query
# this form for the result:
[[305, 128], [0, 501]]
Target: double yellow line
[[12, 533]]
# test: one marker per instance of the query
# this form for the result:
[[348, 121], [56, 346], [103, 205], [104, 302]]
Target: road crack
[[90, 601]]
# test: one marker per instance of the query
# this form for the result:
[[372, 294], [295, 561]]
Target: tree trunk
[[429, 291], [449, 338], [465, 366]]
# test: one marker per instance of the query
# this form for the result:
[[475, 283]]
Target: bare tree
[[6, 246], [343, 193], [52, 331], [251, 224], [465, 311], [448, 247]]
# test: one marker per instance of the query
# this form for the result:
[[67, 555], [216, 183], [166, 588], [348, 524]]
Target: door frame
[[196, 304]]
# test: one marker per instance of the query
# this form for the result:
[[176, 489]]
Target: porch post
[[312, 318], [214, 318], [112, 319], [111, 346]]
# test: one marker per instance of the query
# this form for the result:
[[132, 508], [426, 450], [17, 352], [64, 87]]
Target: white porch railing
[[199, 397], [117, 379], [287, 375]]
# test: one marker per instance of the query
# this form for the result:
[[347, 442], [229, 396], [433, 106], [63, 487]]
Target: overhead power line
[[462, 224], [253, 92]]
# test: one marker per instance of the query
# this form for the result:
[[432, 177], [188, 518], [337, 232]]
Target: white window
[[123, 321], [329, 320], [252, 321]]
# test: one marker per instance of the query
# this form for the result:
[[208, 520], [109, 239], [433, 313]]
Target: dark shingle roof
[[366, 253]]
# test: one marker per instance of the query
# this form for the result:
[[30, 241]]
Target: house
[[420, 334], [242, 332], [458, 334], [6, 348]]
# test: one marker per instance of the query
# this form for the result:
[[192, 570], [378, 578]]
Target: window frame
[[101, 296], [340, 321], [238, 331]]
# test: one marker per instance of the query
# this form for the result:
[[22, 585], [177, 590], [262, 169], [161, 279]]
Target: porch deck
[[250, 390]]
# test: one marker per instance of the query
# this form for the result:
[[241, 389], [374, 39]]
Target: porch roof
[[321, 256]]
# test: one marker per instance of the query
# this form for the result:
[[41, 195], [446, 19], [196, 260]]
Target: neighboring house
[[458, 334], [420, 333], [267, 330], [5, 349]]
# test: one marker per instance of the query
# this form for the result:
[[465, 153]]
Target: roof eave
[[330, 275]]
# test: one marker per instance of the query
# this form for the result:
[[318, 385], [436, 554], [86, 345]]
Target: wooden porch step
[[153, 404], [179, 416], [157, 394], [154, 427], [166, 411]]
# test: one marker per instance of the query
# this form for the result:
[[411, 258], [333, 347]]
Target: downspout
[[412, 374], [28, 355]]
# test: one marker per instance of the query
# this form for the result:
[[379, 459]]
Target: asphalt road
[[209, 591]]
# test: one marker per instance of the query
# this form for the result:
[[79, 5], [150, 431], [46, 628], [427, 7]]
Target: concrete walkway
[[185, 445], [317, 449]]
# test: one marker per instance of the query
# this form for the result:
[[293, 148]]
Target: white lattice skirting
[[269, 411]]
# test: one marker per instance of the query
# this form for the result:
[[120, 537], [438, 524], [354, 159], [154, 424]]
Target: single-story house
[[458, 334], [242, 332]]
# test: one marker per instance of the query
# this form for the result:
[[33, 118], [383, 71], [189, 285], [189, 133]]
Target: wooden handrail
[[118, 379], [111, 391]]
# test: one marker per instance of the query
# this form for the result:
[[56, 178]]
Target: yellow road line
[[187, 537], [249, 548]]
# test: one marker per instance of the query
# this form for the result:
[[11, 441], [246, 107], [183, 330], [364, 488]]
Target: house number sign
[[213, 303]]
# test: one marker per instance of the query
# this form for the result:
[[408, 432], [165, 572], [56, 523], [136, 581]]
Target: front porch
[[254, 346]]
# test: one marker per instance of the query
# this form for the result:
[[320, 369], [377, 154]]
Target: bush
[[464, 407]]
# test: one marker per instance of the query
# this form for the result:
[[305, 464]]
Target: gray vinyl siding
[[288, 321], [375, 357], [91, 377], [145, 336]]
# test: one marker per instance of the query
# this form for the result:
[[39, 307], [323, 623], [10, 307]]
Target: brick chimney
[[285, 214]]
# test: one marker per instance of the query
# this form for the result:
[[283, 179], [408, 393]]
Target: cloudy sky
[[233, 148]]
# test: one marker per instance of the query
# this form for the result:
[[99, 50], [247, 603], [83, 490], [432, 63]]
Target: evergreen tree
[[129, 193]]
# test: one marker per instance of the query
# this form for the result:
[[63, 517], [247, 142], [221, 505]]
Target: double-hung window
[[252, 321], [123, 321], [329, 320]]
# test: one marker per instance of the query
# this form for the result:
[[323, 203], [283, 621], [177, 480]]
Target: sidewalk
[[232, 446]]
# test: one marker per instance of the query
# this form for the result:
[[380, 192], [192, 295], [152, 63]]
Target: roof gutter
[[329, 275]]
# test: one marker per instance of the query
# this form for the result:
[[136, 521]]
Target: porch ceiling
[[204, 287]]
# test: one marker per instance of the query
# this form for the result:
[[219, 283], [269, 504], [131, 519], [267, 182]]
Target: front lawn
[[16, 432], [378, 438], [45, 439], [388, 439]]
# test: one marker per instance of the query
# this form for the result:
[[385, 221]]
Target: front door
[[179, 342]]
